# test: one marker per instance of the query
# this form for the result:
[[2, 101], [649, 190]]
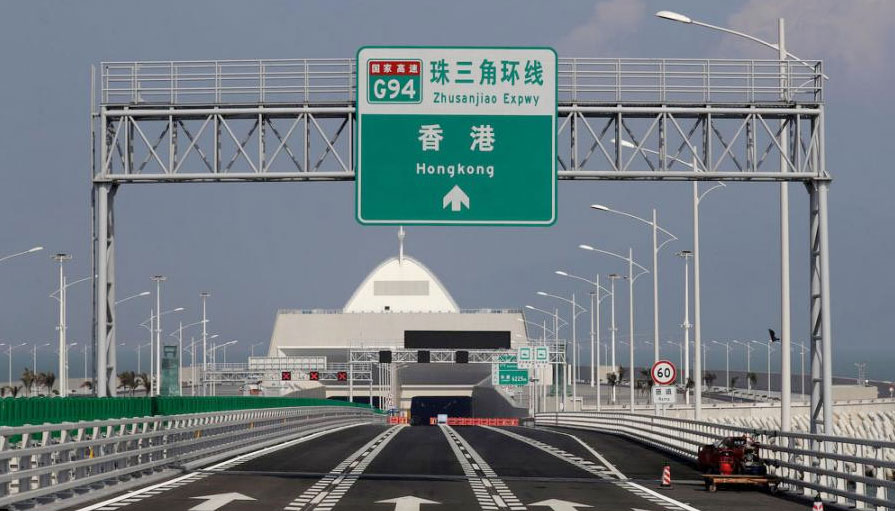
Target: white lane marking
[[147, 491], [490, 491], [641, 491], [595, 454], [327, 492]]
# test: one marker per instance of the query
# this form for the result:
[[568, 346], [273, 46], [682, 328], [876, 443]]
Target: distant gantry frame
[[618, 119]]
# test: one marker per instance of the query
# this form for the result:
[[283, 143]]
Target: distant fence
[[49, 410]]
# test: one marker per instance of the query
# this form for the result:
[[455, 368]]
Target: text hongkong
[[458, 169]]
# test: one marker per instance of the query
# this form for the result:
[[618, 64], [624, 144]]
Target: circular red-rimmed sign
[[663, 373]]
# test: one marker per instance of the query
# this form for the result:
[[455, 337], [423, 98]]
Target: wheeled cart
[[712, 481]]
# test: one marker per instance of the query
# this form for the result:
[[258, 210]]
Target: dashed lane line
[[156, 489], [329, 490], [490, 491], [605, 472]]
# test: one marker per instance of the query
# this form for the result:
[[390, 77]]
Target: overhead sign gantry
[[456, 136]]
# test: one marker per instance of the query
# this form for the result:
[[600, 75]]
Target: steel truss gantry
[[445, 356], [619, 119]]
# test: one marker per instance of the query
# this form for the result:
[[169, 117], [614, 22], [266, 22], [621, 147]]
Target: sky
[[262, 247]]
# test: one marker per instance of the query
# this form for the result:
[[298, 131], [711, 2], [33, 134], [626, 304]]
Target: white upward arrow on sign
[[215, 502], [407, 503], [559, 505], [456, 198]]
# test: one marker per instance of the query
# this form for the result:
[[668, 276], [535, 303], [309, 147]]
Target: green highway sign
[[517, 377], [508, 372], [456, 136]]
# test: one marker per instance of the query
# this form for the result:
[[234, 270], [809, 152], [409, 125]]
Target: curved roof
[[401, 284]]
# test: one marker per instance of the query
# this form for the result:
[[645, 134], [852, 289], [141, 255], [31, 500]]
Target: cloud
[[610, 20], [855, 38]]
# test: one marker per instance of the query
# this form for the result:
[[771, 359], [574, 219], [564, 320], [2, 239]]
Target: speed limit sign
[[663, 373]]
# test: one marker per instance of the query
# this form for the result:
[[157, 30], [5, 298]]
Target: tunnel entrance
[[423, 408]]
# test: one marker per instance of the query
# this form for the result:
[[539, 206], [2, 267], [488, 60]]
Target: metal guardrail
[[580, 81], [53, 461], [849, 471]]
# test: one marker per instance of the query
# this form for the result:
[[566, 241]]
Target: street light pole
[[786, 371], [631, 323], [612, 278], [686, 255], [63, 366], [204, 296], [654, 226], [158, 333]]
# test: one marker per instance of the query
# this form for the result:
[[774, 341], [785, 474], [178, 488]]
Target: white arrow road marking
[[150, 491], [407, 503], [215, 502], [456, 198], [559, 505]]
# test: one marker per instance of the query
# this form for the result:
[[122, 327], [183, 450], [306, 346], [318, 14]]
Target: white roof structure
[[399, 294], [401, 284]]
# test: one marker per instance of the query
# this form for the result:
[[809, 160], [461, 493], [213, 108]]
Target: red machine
[[731, 455]]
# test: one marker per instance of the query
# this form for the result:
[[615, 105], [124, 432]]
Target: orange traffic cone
[[666, 477], [818, 504]]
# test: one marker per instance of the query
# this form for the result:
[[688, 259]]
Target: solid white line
[[663, 497], [213, 467]]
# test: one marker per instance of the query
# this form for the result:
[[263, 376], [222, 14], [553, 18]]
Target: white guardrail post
[[849, 471], [55, 461]]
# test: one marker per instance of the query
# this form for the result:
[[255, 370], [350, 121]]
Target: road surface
[[432, 468]]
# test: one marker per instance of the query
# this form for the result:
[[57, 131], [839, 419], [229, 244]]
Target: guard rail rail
[[40, 464]]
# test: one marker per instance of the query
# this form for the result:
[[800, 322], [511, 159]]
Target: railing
[[580, 80], [53, 461], [850, 471]]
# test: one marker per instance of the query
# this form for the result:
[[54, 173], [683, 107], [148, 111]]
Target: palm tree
[[49, 381], [621, 373], [753, 379], [28, 380], [14, 390], [128, 380], [146, 382], [733, 381], [612, 381], [710, 379], [41, 380]]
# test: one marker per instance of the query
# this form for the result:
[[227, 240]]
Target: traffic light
[[385, 357], [286, 376], [314, 376], [422, 356], [342, 376], [461, 357]]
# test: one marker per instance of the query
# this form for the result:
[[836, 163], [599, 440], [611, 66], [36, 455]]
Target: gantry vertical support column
[[105, 367], [821, 332]]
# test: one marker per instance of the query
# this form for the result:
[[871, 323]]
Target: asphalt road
[[425, 468]]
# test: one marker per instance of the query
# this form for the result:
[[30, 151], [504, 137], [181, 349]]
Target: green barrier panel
[[42, 410]]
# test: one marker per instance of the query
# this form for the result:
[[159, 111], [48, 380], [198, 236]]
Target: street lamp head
[[625, 143], [674, 16], [529, 307], [159, 278], [144, 293], [614, 276], [61, 257], [213, 336], [35, 249], [600, 207], [541, 293], [685, 253], [204, 294], [178, 309], [561, 273], [586, 247]]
